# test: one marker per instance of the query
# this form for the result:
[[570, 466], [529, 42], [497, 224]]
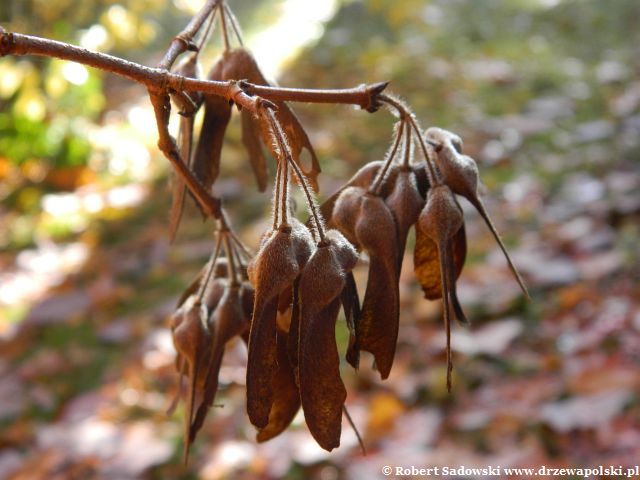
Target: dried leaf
[[217, 112], [187, 68], [240, 65], [251, 142]]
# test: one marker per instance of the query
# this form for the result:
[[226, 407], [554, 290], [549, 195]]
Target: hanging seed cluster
[[284, 300]]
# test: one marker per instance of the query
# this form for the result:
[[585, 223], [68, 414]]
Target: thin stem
[[408, 146], [406, 111], [184, 40], [382, 172], [233, 271], [276, 195], [207, 30], [211, 266], [234, 23], [167, 145], [284, 192], [355, 430], [223, 24], [242, 247], [285, 152]]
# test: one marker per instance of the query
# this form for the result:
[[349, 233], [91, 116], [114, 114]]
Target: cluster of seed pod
[[284, 301], [214, 310], [376, 209]]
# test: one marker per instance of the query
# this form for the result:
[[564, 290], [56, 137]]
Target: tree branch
[[184, 40]]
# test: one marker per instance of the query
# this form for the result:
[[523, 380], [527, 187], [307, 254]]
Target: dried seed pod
[[351, 307], [240, 65], [322, 392], [460, 173], [217, 112], [226, 322], [286, 397], [187, 68], [362, 178], [441, 219], [275, 267], [405, 203], [347, 211], [376, 232], [251, 142], [192, 341], [427, 266]]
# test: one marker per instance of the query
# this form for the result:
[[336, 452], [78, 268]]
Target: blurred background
[[546, 95]]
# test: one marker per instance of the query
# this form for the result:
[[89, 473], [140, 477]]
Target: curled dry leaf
[[239, 64], [251, 142], [275, 267], [460, 173], [321, 389], [217, 112], [187, 68]]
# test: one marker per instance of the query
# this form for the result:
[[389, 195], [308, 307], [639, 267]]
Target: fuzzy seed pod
[[460, 173], [322, 392], [226, 322], [376, 232], [405, 203], [440, 220], [275, 267], [286, 397]]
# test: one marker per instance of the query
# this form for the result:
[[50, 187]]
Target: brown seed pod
[[187, 68], [405, 204], [240, 65], [274, 269], [251, 142], [441, 219], [346, 212], [217, 112], [351, 307], [322, 392], [427, 266], [362, 178], [378, 327], [226, 322], [192, 340], [286, 397], [460, 173]]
